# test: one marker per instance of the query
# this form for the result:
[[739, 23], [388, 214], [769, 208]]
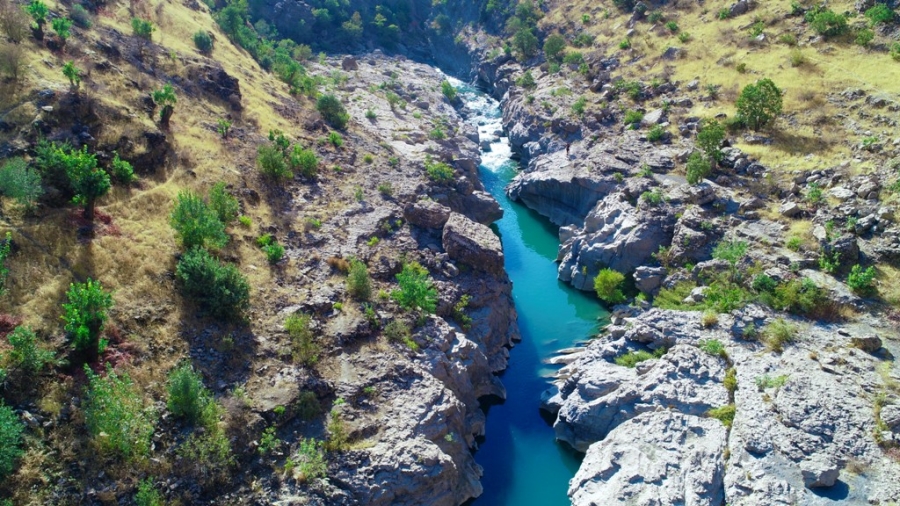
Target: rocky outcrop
[[426, 214], [472, 244], [617, 235], [657, 457]]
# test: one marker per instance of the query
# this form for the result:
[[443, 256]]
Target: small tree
[[88, 181], [166, 98], [333, 111], [303, 340], [416, 289], [608, 285], [759, 104], [11, 429], [358, 282], [61, 26], [554, 46], [85, 315], [271, 162], [697, 168], [188, 398], [709, 139], [196, 222], [20, 182], [732, 252], [73, 74], [142, 28], [38, 12]]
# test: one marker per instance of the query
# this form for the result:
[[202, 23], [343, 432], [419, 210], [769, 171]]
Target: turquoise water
[[523, 464]]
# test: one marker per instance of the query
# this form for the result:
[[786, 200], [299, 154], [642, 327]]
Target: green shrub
[[20, 182], [579, 106], [303, 342], [608, 285], [189, 399], [73, 74], [358, 282], [895, 51], [147, 495], [11, 429], [554, 46], [829, 24], [38, 12], [697, 169], [653, 198], [439, 172], [448, 91], [416, 290], [625, 44], [196, 222], [633, 358], [223, 203], [861, 281], [797, 296], [223, 126], [709, 139], [673, 298], [335, 139], [207, 456], [203, 41], [759, 104], [308, 406], [762, 283], [25, 351], [85, 315], [672, 26], [333, 111], [271, 162], [864, 37], [311, 463], [725, 297], [122, 170], [573, 58], [398, 331], [714, 347], [778, 333], [219, 288], [142, 28], [731, 252], [437, 134], [709, 318], [274, 252], [684, 37], [880, 13], [305, 161], [730, 382], [61, 26], [633, 117], [724, 414], [115, 415], [656, 133], [765, 381]]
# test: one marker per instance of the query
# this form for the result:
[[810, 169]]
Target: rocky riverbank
[[808, 421]]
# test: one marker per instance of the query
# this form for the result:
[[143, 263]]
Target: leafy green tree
[[85, 315], [167, 99], [554, 45], [11, 429], [697, 168], [333, 111], [709, 139], [88, 181], [20, 182], [271, 162], [218, 288], [196, 222], [115, 414], [232, 18], [880, 13], [223, 203], [73, 74], [608, 285], [759, 104], [38, 12], [525, 44], [61, 26], [25, 351], [828, 23], [416, 290]]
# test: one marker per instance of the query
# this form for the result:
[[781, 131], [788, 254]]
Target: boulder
[[648, 279], [739, 8], [868, 344], [473, 244], [652, 118], [426, 214], [659, 458], [790, 209], [819, 471], [349, 63], [616, 235], [890, 415]]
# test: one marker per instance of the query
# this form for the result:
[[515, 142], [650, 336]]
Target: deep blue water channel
[[523, 464]]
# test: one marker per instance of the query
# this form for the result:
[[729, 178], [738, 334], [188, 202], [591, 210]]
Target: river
[[523, 464]]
